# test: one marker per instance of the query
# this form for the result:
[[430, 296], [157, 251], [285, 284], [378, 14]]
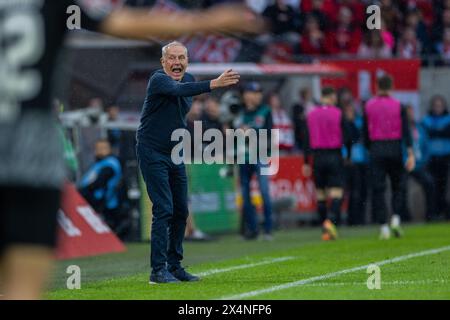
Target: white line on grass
[[333, 274], [243, 266], [385, 283]]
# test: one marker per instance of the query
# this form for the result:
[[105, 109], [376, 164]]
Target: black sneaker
[[162, 276], [183, 275], [250, 235]]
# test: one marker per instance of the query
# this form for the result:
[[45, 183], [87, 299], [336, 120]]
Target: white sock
[[198, 234], [395, 221], [385, 229]]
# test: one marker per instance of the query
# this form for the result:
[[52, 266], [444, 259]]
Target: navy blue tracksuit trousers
[[167, 188]]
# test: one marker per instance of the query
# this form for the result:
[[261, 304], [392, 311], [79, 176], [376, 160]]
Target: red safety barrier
[[81, 232]]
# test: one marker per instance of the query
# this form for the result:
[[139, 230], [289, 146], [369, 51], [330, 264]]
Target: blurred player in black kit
[[31, 162], [386, 130], [326, 132]]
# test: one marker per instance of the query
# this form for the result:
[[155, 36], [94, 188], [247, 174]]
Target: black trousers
[[357, 186], [167, 188], [392, 167], [438, 167]]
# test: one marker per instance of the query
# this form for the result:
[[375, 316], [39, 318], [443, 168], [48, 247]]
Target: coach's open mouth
[[177, 70]]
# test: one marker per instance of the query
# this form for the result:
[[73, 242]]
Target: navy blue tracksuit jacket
[[165, 108]]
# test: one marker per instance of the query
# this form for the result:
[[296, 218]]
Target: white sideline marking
[[384, 283], [243, 266], [333, 274]]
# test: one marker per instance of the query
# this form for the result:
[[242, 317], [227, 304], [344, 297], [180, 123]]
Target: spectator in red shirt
[[345, 38], [313, 39]]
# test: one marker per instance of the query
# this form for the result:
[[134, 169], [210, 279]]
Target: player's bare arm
[[143, 23]]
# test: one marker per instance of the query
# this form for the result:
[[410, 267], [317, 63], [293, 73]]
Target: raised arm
[[163, 84]]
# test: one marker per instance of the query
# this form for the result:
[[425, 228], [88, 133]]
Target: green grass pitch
[[237, 269]]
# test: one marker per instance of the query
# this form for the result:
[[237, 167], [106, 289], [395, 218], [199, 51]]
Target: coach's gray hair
[[172, 44]]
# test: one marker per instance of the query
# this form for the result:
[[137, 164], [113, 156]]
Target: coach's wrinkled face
[[175, 61]]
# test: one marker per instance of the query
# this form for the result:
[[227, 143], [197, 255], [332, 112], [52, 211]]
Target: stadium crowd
[[337, 27], [302, 29]]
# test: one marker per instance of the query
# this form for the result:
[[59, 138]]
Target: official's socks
[[336, 210], [322, 209]]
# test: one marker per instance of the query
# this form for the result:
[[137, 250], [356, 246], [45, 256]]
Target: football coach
[[169, 98]]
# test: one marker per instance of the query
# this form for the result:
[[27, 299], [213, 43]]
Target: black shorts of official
[[328, 169], [28, 216]]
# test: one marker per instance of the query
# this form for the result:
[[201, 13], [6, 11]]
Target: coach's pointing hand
[[228, 78]]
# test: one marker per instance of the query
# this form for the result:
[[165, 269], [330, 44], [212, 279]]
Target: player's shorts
[[28, 216], [32, 172], [328, 169]]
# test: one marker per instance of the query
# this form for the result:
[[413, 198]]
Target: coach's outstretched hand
[[228, 78]]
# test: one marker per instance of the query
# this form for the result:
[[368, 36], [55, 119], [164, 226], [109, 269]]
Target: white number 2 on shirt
[[22, 44]]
